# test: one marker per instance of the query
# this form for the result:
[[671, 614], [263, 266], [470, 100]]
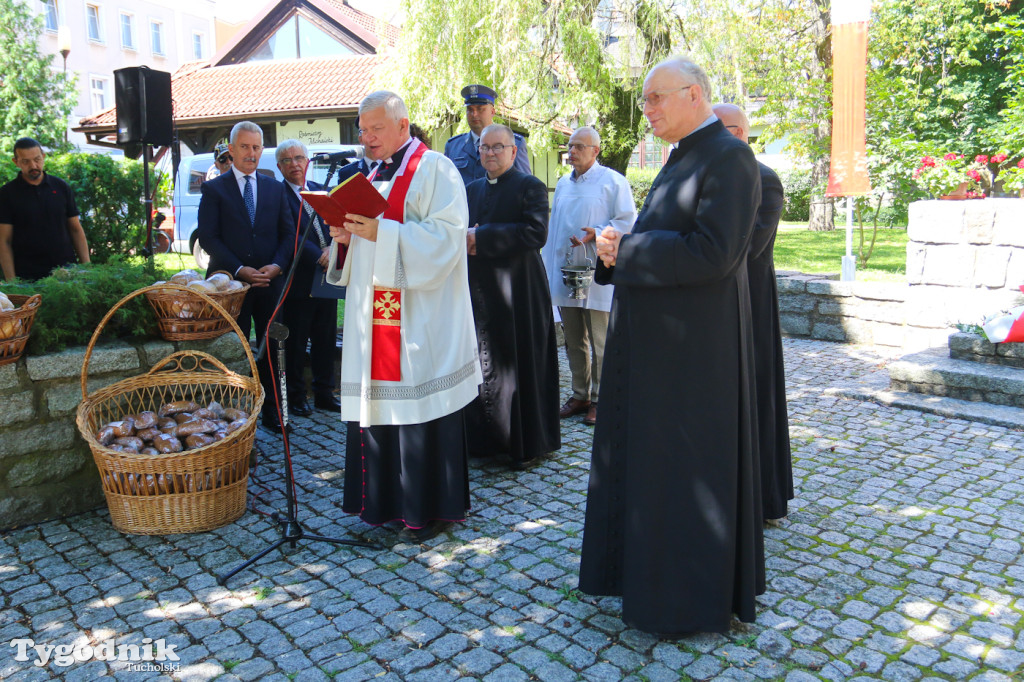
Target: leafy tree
[[35, 99], [575, 60]]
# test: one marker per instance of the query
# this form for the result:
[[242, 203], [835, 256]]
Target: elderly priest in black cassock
[[516, 414], [673, 520]]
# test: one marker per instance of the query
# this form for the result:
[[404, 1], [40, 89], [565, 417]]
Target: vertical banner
[[848, 173]]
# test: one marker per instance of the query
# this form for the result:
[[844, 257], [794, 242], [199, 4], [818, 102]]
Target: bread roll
[[196, 426], [148, 434], [105, 435], [149, 451], [5, 304], [233, 285], [172, 408], [219, 280], [133, 443], [184, 277], [166, 443], [144, 420], [203, 286], [125, 427], [204, 413], [198, 440], [183, 417], [232, 414]]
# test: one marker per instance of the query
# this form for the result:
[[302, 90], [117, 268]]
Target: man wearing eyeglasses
[[463, 149], [309, 320], [673, 522], [515, 416], [772, 413], [587, 200]]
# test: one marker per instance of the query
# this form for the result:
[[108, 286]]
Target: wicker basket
[[184, 316], [15, 326], [185, 492]]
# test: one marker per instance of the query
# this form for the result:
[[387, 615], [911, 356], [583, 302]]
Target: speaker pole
[[147, 200]]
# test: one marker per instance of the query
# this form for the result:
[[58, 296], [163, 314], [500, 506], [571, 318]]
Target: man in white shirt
[[587, 200]]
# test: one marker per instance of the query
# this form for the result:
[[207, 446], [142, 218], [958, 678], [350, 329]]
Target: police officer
[[462, 149]]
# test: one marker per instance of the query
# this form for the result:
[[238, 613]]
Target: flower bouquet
[[944, 177]]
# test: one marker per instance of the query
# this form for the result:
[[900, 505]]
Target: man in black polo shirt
[[39, 226]]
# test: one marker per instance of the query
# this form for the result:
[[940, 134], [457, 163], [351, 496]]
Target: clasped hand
[[258, 278], [608, 245]]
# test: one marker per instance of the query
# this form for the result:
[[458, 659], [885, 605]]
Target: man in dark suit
[[309, 319], [246, 227], [673, 520], [462, 149], [772, 413]]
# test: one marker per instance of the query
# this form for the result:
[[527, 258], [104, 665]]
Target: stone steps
[[934, 373]]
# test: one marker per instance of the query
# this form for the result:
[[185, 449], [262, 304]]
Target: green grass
[[797, 248]]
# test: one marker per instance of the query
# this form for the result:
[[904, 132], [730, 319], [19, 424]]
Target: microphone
[[338, 157]]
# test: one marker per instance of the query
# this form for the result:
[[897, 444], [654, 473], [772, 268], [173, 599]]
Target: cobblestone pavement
[[900, 560]]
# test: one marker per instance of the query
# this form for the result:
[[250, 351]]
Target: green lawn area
[[796, 248]]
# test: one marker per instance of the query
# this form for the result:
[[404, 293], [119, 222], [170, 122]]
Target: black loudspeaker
[[143, 99]]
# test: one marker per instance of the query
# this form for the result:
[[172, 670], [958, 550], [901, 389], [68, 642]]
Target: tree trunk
[[822, 208]]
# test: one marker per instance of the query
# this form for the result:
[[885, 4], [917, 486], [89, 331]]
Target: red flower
[[951, 157], [999, 158], [980, 158], [1020, 164], [974, 175], [927, 162]]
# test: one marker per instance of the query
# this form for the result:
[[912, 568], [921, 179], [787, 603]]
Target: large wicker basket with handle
[[183, 492], [182, 315], [15, 326]]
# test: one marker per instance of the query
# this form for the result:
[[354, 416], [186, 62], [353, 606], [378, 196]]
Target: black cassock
[[772, 415], [517, 410], [673, 521]]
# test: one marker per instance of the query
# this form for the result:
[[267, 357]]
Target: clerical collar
[[396, 158], [708, 121]]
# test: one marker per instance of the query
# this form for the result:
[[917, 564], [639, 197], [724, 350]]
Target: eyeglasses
[[224, 158], [576, 146], [496, 148], [293, 159], [656, 98]]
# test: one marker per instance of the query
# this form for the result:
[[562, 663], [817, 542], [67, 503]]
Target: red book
[[354, 195]]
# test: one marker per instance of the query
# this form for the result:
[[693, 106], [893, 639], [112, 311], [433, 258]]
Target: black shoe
[[300, 408], [271, 423], [327, 402], [421, 535]]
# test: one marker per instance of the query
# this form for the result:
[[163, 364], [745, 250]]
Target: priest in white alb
[[587, 200], [410, 361]]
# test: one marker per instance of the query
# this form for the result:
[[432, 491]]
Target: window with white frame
[[197, 45], [98, 89], [127, 31], [156, 32], [50, 15], [92, 23]]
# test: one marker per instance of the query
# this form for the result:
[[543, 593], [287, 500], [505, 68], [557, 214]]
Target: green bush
[[797, 185], [75, 299], [640, 181], [108, 192]]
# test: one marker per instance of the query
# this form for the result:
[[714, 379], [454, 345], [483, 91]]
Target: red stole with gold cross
[[386, 343]]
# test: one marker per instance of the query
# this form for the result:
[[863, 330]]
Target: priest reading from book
[[410, 362]]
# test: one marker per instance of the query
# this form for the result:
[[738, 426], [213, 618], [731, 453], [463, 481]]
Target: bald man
[[586, 201], [772, 414], [673, 522]]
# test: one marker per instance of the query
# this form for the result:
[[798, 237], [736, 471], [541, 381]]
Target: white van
[[192, 173]]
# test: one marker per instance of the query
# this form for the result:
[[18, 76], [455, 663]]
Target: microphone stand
[[291, 530]]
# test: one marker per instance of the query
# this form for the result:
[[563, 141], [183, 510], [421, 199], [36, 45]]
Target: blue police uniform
[[462, 149]]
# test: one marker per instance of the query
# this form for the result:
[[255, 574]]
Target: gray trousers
[[585, 333]]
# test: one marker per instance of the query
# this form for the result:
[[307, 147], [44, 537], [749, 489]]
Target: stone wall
[[46, 469], [965, 259]]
